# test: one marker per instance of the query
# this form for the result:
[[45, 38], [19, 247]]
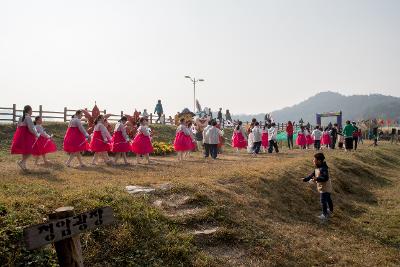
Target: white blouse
[[184, 129], [104, 132], [120, 127], [28, 123], [272, 133], [41, 131], [143, 130], [75, 122]]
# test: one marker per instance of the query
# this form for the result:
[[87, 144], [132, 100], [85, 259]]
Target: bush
[[162, 148]]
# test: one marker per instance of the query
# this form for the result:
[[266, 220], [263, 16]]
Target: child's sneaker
[[323, 217]]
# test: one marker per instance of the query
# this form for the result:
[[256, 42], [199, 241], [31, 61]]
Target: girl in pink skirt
[[183, 142], [301, 140], [239, 137], [264, 138], [326, 138], [100, 142], [25, 137], [309, 139], [76, 139], [191, 131], [120, 144], [44, 144], [141, 144]]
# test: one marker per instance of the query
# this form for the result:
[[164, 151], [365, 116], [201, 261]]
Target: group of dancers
[[255, 138], [31, 139]]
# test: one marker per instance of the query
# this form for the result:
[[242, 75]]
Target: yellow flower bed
[[162, 148]]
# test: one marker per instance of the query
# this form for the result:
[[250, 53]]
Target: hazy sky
[[256, 56]]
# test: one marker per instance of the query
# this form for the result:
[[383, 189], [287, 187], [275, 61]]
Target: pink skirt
[[264, 140], [23, 141], [75, 141], [309, 140], [183, 142], [238, 140], [326, 139], [97, 144], [301, 140], [119, 144], [44, 146], [141, 145]]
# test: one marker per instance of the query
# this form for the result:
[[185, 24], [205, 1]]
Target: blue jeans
[[256, 147], [213, 150], [326, 202]]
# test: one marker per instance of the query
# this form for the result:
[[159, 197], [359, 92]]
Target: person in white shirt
[[316, 135], [183, 142], [121, 142], [257, 137], [145, 114], [273, 138], [212, 136], [100, 143], [44, 144], [25, 137], [239, 137], [206, 142], [76, 139], [193, 138], [141, 144]]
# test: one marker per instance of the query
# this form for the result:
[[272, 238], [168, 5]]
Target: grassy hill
[[257, 210]]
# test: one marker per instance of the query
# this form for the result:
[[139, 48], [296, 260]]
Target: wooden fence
[[12, 114]]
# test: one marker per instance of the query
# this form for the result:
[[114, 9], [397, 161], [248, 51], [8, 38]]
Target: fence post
[[151, 118], [65, 114], [14, 115], [105, 112], [122, 113], [69, 251], [40, 110]]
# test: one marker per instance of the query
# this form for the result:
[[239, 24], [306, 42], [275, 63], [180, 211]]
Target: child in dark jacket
[[320, 176]]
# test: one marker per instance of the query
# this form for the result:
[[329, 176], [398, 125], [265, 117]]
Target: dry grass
[[264, 214]]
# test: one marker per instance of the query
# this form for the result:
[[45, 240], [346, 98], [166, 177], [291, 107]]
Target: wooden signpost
[[63, 229]]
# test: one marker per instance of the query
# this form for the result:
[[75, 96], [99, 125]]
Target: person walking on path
[[159, 111], [334, 135], [355, 135], [289, 133], [348, 132], [213, 136], [219, 116]]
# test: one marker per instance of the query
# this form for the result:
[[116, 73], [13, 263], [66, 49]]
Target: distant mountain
[[355, 107]]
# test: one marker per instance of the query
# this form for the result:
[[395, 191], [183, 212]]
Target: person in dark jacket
[[355, 135], [320, 176], [334, 135]]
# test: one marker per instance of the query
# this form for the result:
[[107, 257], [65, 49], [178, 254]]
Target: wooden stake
[[69, 251]]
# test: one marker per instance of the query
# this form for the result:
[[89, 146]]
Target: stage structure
[[338, 116]]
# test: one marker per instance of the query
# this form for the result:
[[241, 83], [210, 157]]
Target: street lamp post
[[194, 81]]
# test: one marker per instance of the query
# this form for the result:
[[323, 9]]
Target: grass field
[[258, 211]]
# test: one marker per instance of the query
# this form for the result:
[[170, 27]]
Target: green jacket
[[348, 130]]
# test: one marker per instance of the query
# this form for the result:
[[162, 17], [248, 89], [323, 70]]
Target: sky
[[255, 56]]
